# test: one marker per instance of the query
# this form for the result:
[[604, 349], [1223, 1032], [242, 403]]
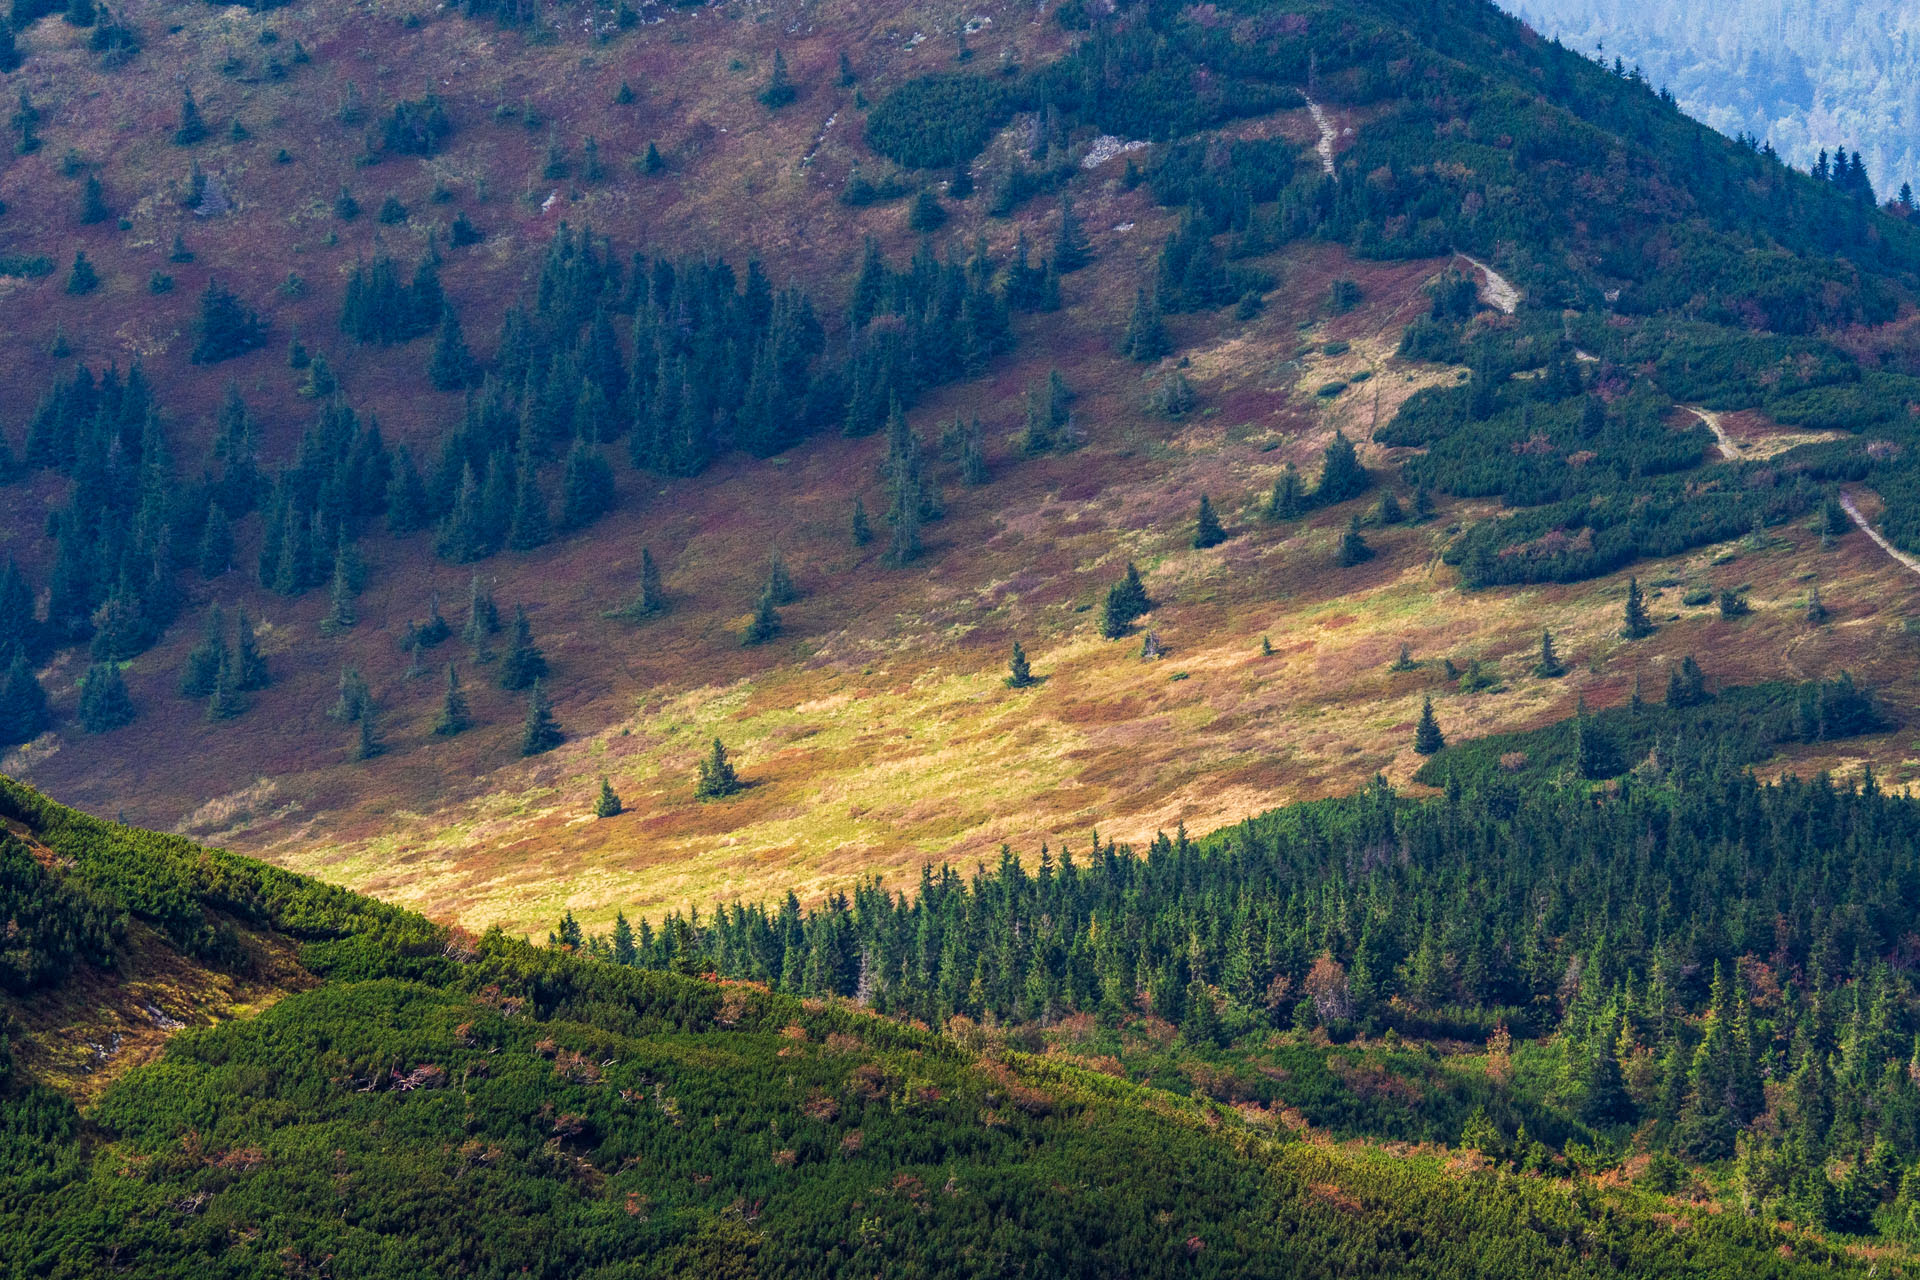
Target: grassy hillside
[[875, 730], [442, 1102]]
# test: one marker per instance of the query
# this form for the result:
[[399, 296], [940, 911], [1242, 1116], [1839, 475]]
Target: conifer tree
[[354, 697], [540, 732], [1427, 738], [1549, 666], [1019, 674], [780, 588], [1353, 547], [861, 529], [1387, 511], [530, 527], [105, 703], [1071, 250], [483, 620], [369, 743], [1590, 750], [607, 804], [82, 279], [1038, 438], [451, 366], [1636, 624], [779, 90], [340, 613], [205, 659], [193, 128], [226, 701], [1206, 529], [249, 665], [1422, 503], [1288, 499], [454, 716], [1816, 611], [1341, 475], [216, 543], [765, 624], [23, 703], [1404, 662], [407, 502], [586, 486], [524, 663], [624, 951], [718, 778], [652, 597], [1146, 337]]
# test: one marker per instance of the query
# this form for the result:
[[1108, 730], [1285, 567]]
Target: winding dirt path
[[1853, 512], [1325, 146], [1728, 449], [1495, 289]]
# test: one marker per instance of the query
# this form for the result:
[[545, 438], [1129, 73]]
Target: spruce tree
[[524, 663], [718, 779], [1590, 752], [23, 703], [765, 624], [451, 366], [483, 620], [1341, 475], [652, 597], [780, 587], [1816, 611], [586, 486], [205, 659], [82, 279], [1404, 662], [1353, 548], [1206, 529], [104, 701], [407, 502], [624, 952], [193, 128], [226, 701], [1549, 666], [354, 697], [216, 543], [1427, 738], [1387, 511], [1288, 499], [454, 716], [607, 804], [249, 666], [1071, 250], [861, 529], [1637, 625], [1146, 337], [530, 527], [369, 743], [340, 613], [779, 90], [1019, 674], [540, 732]]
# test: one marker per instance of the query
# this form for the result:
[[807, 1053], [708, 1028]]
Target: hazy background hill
[[1802, 74]]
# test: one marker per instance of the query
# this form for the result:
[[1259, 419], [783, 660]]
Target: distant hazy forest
[[1802, 74]]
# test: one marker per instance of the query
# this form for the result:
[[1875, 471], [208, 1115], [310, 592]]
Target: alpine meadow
[[764, 639]]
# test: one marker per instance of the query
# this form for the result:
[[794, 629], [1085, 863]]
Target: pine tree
[[1206, 529], [1637, 625], [1427, 738], [862, 529], [23, 703], [205, 659], [1070, 248], [540, 732], [624, 951], [193, 128], [652, 597], [105, 703], [530, 527], [454, 716], [1288, 499], [607, 805], [1146, 337], [451, 366], [718, 779], [1019, 674], [765, 624], [779, 90], [226, 701], [524, 663], [1549, 667], [216, 543], [340, 613], [82, 279], [1341, 475], [93, 202], [249, 666], [483, 620], [369, 742], [1353, 548], [780, 586], [354, 697]]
